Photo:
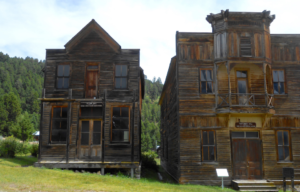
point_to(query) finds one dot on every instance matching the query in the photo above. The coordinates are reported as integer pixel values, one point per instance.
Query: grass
(14, 176)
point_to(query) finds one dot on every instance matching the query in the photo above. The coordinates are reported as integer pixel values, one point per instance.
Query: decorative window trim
(129, 124)
(284, 83)
(290, 146)
(202, 146)
(116, 77)
(51, 125)
(57, 76)
(212, 81)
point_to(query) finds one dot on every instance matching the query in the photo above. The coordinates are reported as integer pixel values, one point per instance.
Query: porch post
(216, 84)
(229, 86)
(68, 125)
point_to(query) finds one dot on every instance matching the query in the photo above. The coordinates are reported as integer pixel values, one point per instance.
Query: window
(90, 132)
(120, 124)
(206, 82)
(283, 146)
(91, 111)
(244, 134)
(278, 82)
(245, 46)
(208, 146)
(121, 77)
(63, 73)
(59, 125)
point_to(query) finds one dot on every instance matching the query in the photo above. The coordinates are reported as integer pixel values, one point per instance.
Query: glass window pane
(124, 111)
(211, 153)
(85, 126)
(211, 138)
(92, 67)
(281, 76)
(209, 87)
(275, 86)
(124, 70)
(116, 111)
(63, 124)
(60, 83)
(60, 70)
(118, 70)
(97, 111)
(275, 76)
(205, 142)
(63, 136)
(116, 123)
(281, 88)
(55, 124)
(117, 135)
(242, 86)
(241, 74)
(58, 135)
(66, 70)
(237, 134)
(285, 138)
(86, 111)
(124, 123)
(280, 153)
(85, 137)
(64, 113)
(56, 112)
(279, 137)
(65, 83)
(55, 135)
(209, 76)
(123, 83)
(118, 83)
(203, 87)
(205, 153)
(96, 138)
(97, 126)
(126, 136)
(203, 75)
(252, 134)
(286, 153)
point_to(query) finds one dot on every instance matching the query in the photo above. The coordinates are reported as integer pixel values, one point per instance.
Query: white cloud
(27, 28)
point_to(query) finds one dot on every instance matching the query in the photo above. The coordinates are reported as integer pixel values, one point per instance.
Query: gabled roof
(92, 26)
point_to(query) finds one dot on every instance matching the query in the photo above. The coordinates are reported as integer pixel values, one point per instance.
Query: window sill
(284, 95)
(210, 162)
(285, 162)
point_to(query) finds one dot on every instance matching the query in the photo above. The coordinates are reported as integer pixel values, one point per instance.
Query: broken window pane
(203, 75)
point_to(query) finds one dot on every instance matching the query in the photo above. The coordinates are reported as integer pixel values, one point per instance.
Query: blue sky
(29, 27)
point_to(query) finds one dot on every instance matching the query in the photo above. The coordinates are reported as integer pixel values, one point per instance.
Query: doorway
(90, 139)
(91, 81)
(247, 155)
(242, 87)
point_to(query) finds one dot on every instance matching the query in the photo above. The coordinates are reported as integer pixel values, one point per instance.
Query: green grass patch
(13, 177)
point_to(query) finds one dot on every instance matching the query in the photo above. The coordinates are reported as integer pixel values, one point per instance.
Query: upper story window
(206, 81)
(283, 146)
(120, 124)
(58, 131)
(245, 45)
(208, 146)
(278, 82)
(121, 77)
(63, 74)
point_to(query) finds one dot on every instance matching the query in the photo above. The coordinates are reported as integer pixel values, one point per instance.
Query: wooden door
(247, 159)
(90, 139)
(242, 87)
(91, 84)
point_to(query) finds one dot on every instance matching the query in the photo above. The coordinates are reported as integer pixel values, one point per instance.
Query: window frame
(290, 146)
(56, 76)
(284, 83)
(129, 124)
(115, 76)
(212, 81)
(51, 125)
(91, 139)
(246, 37)
(202, 146)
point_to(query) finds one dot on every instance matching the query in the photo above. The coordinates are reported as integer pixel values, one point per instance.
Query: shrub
(34, 150)
(9, 147)
(25, 148)
(148, 160)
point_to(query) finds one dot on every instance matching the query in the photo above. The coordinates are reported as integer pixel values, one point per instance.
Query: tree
(23, 130)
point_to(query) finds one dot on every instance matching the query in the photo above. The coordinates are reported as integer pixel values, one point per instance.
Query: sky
(28, 28)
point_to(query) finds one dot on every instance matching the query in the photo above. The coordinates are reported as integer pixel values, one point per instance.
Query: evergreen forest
(21, 83)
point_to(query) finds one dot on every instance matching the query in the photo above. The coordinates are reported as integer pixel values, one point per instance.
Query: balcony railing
(245, 99)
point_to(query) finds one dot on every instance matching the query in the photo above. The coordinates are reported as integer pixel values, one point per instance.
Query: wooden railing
(246, 99)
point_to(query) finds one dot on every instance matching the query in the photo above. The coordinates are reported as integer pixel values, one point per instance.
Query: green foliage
(34, 150)
(9, 147)
(151, 114)
(148, 160)
(23, 128)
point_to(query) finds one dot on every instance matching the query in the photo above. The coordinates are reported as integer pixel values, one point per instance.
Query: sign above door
(245, 124)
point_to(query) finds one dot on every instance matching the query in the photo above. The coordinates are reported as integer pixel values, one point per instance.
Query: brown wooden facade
(91, 105)
(231, 100)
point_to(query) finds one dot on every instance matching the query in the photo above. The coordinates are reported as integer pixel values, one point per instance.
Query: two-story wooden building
(231, 100)
(91, 105)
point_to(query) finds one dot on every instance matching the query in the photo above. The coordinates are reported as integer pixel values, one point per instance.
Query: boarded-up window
(278, 82)
(206, 81)
(58, 131)
(62, 78)
(121, 77)
(283, 146)
(208, 146)
(120, 124)
(245, 45)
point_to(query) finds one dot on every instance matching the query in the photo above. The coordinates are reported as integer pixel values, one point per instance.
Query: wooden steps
(253, 185)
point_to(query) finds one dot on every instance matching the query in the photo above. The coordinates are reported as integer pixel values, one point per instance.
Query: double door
(247, 158)
(90, 139)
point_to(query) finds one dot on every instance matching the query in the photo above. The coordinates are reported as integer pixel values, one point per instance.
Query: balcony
(245, 100)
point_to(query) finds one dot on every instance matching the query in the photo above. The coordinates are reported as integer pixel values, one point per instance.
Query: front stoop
(253, 185)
